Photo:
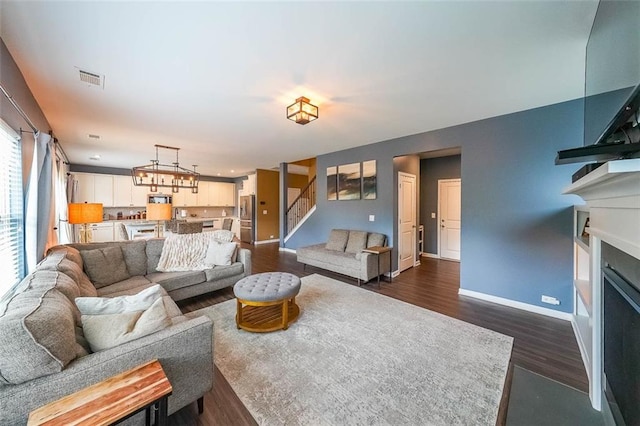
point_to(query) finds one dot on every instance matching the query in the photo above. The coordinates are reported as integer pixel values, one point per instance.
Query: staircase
(301, 207)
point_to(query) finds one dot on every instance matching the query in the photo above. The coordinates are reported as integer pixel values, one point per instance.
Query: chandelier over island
(157, 175)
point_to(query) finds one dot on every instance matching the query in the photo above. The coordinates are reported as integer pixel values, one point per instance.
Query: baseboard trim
(566, 316)
(434, 256)
(288, 250)
(276, 240)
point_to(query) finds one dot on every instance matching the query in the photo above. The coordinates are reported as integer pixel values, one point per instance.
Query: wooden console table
(112, 400)
(378, 250)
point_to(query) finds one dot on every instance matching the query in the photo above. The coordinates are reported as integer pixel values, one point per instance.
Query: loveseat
(45, 354)
(342, 253)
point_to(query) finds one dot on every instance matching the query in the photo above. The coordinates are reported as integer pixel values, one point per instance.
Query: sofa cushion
(37, 334)
(109, 322)
(135, 256)
(70, 253)
(105, 265)
(59, 261)
(125, 287)
(220, 272)
(337, 239)
(44, 280)
(357, 242)
(154, 251)
(330, 257)
(376, 239)
(174, 280)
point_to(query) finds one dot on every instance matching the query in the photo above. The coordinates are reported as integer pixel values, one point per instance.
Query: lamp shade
(84, 213)
(158, 211)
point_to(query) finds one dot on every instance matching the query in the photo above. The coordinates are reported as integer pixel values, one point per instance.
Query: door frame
(415, 219)
(440, 182)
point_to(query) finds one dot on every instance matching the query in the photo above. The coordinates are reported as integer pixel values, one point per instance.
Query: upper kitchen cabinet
(126, 194)
(94, 188)
(184, 198)
(216, 194)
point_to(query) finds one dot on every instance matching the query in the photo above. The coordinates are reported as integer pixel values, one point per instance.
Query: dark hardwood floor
(544, 345)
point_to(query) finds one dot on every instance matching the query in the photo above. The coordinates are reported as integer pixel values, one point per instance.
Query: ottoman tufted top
(267, 287)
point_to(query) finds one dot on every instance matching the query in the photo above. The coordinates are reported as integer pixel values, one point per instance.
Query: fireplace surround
(612, 196)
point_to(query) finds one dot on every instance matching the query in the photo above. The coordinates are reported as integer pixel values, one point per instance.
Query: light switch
(372, 217)
(264, 212)
(433, 215)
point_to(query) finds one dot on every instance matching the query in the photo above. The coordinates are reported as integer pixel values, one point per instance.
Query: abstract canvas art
(349, 183)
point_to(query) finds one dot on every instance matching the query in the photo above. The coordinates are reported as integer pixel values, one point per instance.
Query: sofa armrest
(185, 351)
(244, 256)
(369, 265)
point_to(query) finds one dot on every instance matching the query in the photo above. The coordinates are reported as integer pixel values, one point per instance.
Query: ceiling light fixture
(301, 111)
(156, 175)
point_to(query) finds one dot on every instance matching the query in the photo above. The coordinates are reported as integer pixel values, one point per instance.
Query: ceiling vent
(91, 78)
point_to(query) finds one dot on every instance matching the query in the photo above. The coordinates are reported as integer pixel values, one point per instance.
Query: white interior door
(449, 206)
(406, 221)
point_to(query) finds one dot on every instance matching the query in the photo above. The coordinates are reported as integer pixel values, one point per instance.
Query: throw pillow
(376, 239)
(223, 235)
(357, 242)
(220, 254)
(110, 322)
(114, 305)
(105, 266)
(337, 239)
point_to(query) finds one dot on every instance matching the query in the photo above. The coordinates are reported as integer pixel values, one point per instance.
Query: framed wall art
(369, 186)
(349, 182)
(332, 183)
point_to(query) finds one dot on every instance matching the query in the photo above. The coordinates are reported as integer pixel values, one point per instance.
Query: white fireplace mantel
(612, 195)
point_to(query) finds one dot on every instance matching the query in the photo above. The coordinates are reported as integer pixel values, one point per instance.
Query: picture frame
(349, 182)
(369, 180)
(332, 183)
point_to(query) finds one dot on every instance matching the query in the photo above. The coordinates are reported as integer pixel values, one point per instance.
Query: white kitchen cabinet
(185, 198)
(204, 189)
(126, 194)
(96, 232)
(227, 194)
(94, 188)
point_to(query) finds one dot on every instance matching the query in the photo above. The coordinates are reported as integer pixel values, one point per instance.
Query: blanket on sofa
(188, 252)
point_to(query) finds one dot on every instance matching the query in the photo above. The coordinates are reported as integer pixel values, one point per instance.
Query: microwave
(158, 199)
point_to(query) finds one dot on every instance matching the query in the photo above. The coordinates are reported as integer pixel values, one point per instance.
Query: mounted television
(612, 86)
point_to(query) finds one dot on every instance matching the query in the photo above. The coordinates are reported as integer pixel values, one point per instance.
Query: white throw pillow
(127, 318)
(219, 254)
(119, 304)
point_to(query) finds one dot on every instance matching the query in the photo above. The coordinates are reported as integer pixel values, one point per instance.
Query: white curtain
(40, 203)
(64, 229)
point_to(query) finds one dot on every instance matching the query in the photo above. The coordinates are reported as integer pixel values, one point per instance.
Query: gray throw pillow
(337, 239)
(135, 256)
(376, 239)
(105, 266)
(357, 242)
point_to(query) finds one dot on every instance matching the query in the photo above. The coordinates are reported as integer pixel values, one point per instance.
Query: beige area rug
(356, 357)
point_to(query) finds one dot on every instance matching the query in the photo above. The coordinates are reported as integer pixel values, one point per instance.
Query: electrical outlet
(372, 217)
(433, 215)
(550, 300)
(264, 212)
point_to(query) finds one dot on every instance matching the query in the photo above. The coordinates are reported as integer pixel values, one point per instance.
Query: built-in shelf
(583, 242)
(583, 288)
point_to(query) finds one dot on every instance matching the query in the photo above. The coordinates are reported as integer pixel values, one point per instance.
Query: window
(11, 213)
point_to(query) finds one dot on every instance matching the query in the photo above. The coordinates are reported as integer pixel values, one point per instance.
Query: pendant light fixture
(157, 175)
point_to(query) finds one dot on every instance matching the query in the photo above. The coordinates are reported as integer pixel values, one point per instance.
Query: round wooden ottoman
(267, 301)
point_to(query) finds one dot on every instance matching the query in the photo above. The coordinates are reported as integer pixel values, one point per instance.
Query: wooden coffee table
(111, 400)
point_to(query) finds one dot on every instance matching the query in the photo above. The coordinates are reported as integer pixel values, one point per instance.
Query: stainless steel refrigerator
(247, 219)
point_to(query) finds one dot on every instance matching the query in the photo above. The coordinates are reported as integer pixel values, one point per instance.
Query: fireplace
(621, 336)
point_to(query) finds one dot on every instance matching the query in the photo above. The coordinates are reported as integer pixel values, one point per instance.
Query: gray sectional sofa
(342, 253)
(44, 354)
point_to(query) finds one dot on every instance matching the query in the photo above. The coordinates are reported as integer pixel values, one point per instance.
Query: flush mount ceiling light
(301, 111)
(156, 175)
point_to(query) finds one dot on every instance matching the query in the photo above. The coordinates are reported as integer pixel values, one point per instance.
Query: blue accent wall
(516, 240)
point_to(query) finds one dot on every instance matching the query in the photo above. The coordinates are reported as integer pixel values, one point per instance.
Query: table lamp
(83, 214)
(158, 212)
